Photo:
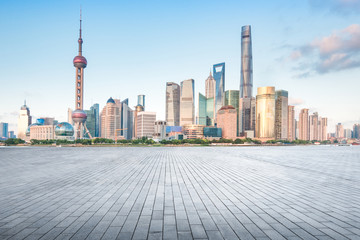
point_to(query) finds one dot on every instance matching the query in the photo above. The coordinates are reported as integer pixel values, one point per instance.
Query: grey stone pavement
(180, 193)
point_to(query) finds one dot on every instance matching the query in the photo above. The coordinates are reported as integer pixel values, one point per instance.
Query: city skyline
(319, 96)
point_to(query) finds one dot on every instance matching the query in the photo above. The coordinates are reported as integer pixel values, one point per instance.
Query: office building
(314, 127)
(247, 119)
(141, 101)
(42, 132)
(24, 121)
(219, 76)
(93, 120)
(145, 124)
(212, 132)
(110, 119)
(193, 131)
(246, 74)
(127, 119)
(323, 129)
(226, 119)
(232, 99)
(172, 104)
(281, 114)
(339, 131)
(160, 130)
(347, 133)
(187, 109)
(303, 125)
(291, 129)
(206, 114)
(210, 86)
(356, 131)
(11, 134)
(265, 113)
(138, 109)
(4, 130)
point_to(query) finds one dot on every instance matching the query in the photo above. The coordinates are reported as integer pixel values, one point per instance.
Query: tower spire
(80, 39)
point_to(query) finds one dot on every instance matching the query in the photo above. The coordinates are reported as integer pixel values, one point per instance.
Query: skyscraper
(246, 74)
(141, 100)
(314, 127)
(127, 119)
(187, 109)
(24, 121)
(172, 104)
(110, 118)
(265, 112)
(206, 113)
(145, 124)
(291, 129)
(219, 76)
(79, 116)
(281, 115)
(356, 131)
(304, 124)
(93, 120)
(323, 127)
(210, 85)
(227, 120)
(339, 131)
(4, 130)
(247, 117)
(232, 99)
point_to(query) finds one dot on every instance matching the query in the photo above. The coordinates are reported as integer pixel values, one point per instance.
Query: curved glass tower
(246, 74)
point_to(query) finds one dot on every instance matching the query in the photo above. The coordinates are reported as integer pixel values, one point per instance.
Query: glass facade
(219, 76)
(265, 112)
(64, 129)
(127, 119)
(141, 101)
(212, 132)
(172, 104)
(93, 120)
(187, 108)
(4, 128)
(206, 111)
(170, 129)
(246, 74)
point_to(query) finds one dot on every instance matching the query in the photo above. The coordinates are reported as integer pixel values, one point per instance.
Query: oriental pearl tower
(79, 116)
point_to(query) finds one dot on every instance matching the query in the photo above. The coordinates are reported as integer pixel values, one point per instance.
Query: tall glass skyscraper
(141, 100)
(187, 109)
(219, 76)
(172, 104)
(127, 119)
(4, 129)
(246, 74)
(206, 111)
(93, 120)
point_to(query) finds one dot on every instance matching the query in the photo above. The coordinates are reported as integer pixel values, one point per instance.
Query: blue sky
(310, 48)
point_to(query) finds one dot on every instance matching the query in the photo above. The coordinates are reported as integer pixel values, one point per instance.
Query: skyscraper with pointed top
(79, 116)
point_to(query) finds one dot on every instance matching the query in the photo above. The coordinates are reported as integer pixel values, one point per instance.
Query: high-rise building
(127, 117)
(138, 108)
(232, 99)
(145, 124)
(110, 119)
(93, 120)
(210, 85)
(141, 101)
(323, 129)
(291, 131)
(172, 104)
(247, 117)
(246, 74)
(304, 124)
(187, 109)
(11, 134)
(281, 114)
(339, 131)
(219, 76)
(226, 119)
(356, 131)
(69, 116)
(160, 130)
(347, 133)
(206, 115)
(4, 130)
(265, 112)
(24, 121)
(79, 116)
(314, 127)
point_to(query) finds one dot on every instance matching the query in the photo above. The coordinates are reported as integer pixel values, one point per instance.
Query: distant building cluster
(221, 113)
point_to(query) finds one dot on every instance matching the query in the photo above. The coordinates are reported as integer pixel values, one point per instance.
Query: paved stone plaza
(180, 193)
